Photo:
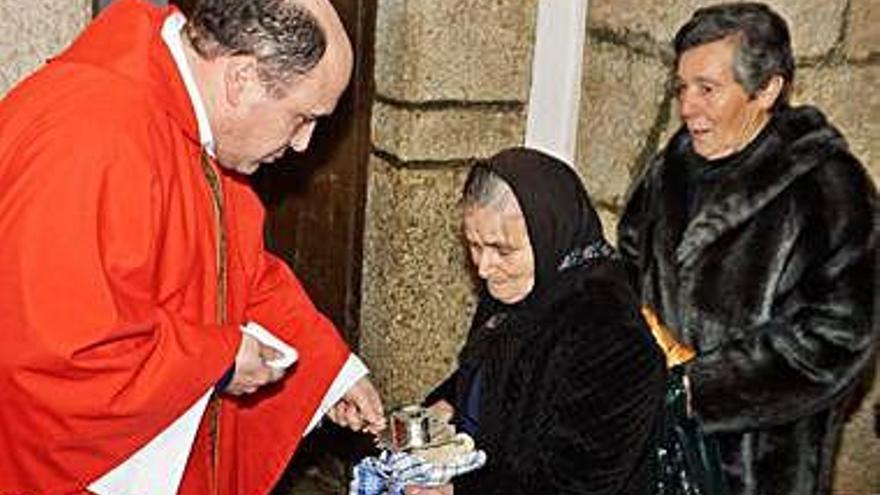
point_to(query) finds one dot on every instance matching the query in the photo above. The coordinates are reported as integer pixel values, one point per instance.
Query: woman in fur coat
(753, 237)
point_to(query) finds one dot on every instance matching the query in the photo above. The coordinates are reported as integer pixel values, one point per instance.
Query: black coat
(578, 408)
(772, 282)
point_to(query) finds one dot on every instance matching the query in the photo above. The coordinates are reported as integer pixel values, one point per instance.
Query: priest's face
(500, 249)
(720, 115)
(263, 122)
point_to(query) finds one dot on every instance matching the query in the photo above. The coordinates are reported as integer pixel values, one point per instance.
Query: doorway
(315, 201)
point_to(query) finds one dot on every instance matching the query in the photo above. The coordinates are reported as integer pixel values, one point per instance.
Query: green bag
(688, 460)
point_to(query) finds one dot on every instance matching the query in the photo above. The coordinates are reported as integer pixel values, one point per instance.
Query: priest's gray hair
(282, 35)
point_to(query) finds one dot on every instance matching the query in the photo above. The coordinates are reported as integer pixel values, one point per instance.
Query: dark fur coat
(773, 283)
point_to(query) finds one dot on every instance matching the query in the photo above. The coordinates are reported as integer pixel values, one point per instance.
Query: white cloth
(288, 354)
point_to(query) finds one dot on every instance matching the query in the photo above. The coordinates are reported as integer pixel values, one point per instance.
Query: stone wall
(452, 79)
(35, 30)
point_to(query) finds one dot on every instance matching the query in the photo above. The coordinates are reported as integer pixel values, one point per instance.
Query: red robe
(112, 315)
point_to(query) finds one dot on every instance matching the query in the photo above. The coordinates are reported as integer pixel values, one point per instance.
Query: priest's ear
(241, 81)
(770, 92)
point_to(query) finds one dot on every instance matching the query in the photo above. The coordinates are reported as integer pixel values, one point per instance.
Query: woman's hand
(442, 410)
(429, 490)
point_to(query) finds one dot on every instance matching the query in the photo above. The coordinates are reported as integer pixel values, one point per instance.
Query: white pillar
(554, 98)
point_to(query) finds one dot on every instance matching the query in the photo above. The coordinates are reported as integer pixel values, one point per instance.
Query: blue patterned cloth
(389, 473)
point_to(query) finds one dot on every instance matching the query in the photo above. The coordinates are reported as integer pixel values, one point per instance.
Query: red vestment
(112, 324)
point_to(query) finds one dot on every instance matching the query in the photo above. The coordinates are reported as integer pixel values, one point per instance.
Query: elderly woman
(753, 236)
(559, 381)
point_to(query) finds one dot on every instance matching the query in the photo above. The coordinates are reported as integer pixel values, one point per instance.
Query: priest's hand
(251, 370)
(360, 409)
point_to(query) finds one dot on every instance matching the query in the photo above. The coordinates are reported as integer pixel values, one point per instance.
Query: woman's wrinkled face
(499, 246)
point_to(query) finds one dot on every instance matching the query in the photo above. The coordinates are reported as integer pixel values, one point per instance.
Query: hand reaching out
(360, 409)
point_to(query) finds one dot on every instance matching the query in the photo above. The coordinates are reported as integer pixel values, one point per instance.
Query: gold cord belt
(219, 225)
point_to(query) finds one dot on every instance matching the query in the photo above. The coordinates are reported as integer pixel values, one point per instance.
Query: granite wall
(452, 82)
(34, 30)
(452, 79)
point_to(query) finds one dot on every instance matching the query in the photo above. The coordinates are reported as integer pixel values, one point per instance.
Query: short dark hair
(763, 43)
(283, 36)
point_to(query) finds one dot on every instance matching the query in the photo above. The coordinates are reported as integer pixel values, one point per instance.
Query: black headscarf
(560, 220)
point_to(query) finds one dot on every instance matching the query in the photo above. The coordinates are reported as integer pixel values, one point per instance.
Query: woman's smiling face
(720, 115)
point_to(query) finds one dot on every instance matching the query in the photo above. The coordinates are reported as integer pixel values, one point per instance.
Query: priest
(132, 269)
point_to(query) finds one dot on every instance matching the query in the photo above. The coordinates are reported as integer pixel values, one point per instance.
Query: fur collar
(800, 140)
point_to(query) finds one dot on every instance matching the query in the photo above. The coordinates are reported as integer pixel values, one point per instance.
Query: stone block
(418, 293)
(856, 470)
(815, 24)
(609, 219)
(417, 134)
(454, 49)
(35, 30)
(622, 96)
(848, 96)
(673, 123)
(863, 35)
